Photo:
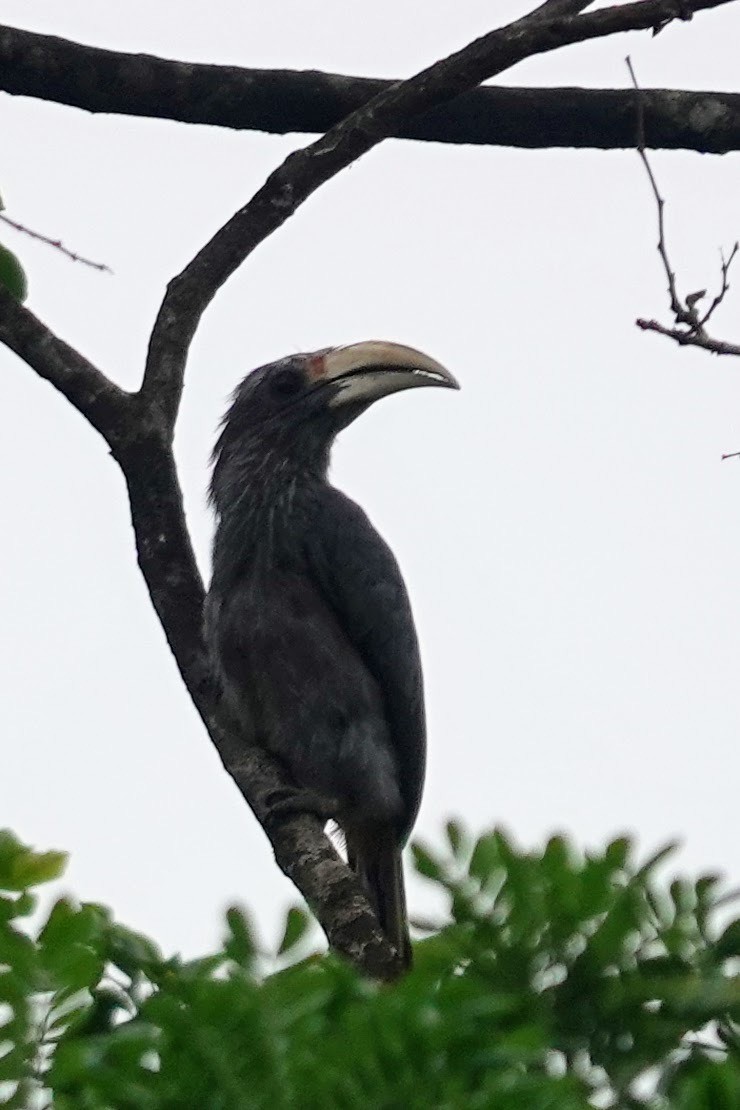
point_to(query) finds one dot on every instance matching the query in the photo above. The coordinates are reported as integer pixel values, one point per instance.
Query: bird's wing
(359, 577)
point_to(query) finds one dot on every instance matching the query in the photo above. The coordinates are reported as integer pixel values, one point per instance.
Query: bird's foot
(287, 801)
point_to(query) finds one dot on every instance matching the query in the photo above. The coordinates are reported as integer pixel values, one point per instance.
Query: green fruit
(12, 274)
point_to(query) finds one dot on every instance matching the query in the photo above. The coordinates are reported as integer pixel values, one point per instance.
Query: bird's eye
(286, 382)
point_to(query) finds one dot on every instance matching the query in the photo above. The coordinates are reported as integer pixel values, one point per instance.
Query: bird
(307, 618)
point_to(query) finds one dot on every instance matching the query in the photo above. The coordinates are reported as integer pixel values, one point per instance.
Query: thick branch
(107, 407)
(305, 170)
(282, 101)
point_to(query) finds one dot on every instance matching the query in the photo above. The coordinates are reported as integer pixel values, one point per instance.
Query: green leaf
(12, 274)
(240, 944)
(22, 906)
(728, 943)
(132, 952)
(297, 923)
(457, 838)
(618, 852)
(425, 863)
(486, 858)
(72, 946)
(21, 867)
(13, 1065)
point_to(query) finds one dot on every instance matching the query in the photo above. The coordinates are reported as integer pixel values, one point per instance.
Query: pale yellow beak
(364, 372)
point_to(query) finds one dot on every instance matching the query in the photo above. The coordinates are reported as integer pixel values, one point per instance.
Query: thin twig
(691, 331)
(726, 263)
(56, 243)
(676, 307)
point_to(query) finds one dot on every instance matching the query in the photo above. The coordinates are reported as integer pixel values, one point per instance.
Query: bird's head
(292, 409)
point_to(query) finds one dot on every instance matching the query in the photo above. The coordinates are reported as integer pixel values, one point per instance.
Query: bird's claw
(286, 802)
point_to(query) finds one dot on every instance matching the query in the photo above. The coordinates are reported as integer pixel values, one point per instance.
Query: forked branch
(690, 325)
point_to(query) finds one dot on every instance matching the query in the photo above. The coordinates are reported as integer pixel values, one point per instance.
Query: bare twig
(676, 306)
(690, 338)
(690, 329)
(725, 269)
(56, 243)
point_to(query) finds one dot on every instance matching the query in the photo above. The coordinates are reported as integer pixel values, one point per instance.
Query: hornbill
(307, 617)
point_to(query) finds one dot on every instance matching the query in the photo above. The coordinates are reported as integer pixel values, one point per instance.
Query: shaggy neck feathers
(264, 494)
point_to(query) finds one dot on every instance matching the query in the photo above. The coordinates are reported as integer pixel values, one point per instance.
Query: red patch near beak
(315, 368)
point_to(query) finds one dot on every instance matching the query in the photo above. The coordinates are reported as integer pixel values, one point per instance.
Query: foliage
(562, 982)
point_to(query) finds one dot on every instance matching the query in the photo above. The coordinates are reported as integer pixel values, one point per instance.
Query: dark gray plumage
(307, 617)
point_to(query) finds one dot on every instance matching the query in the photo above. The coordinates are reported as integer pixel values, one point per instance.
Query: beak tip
(335, 363)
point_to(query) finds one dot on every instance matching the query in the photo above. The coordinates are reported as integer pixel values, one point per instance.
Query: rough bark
(311, 102)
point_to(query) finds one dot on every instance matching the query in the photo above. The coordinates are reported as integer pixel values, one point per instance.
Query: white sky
(568, 533)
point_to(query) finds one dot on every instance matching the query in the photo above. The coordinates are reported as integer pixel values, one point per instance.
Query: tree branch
(57, 244)
(686, 338)
(282, 101)
(691, 325)
(107, 407)
(305, 170)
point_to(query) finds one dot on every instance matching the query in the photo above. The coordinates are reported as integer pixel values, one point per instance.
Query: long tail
(375, 857)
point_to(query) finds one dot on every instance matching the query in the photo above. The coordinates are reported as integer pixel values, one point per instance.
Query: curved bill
(363, 372)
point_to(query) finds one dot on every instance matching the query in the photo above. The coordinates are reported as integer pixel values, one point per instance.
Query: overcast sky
(567, 530)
